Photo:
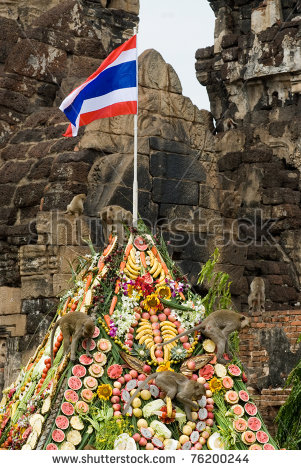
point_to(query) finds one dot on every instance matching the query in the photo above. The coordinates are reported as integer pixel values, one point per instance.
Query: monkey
(176, 386)
(76, 206)
(217, 326)
(256, 299)
(113, 218)
(75, 324)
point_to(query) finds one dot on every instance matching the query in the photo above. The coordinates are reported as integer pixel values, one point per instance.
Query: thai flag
(110, 91)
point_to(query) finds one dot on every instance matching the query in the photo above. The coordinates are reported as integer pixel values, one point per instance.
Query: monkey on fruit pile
(113, 218)
(76, 206)
(256, 299)
(217, 326)
(176, 386)
(75, 324)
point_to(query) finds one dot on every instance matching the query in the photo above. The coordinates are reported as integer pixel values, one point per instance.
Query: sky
(176, 29)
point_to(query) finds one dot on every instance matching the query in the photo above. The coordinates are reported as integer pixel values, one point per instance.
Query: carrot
(110, 238)
(155, 251)
(100, 267)
(117, 286)
(66, 306)
(180, 293)
(122, 265)
(142, 257)
(127, 251)
(107, 320)
(165, 269)
(107, 249)
(113, 304)
(89, 280)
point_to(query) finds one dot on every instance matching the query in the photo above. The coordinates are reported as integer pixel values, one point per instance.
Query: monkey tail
(150, 377)
(52, 339)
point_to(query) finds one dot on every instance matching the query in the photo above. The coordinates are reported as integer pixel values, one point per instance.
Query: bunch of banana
(168, 331)
(156, 266)
(132, 269)
(144, 334)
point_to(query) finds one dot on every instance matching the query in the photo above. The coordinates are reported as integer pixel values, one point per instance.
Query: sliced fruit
(67, 446)
(140, 244)
(262, 437)
(243, 395)
(200, 426)
(227, 382)
(255, 447)
(96, 370)
(67, 408)
(234, 370)
(125, 396)
(248, 437)
(220, 370)
(209, 346)
(90, 382)
(52, 446)
(254, 424)
(203, 414)
(231, 397)
(237, 410)
(77, 423)
(100, 358)
(82, 407)
(240, 424)
(207, 371)
(79, 371)
(104, 345)
(268, 447)
(215, 442)
(194, 436)
(71, 395)
(62, 422)
(131, 385)
(92, 345)
(74, 383)
(58, 435)
(96, 332)
(251, 409)
(74, 437)
(154, 391)
(85, 360)
(87, 395)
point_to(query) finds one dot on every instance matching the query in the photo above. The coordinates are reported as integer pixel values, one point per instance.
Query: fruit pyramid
(138, 299)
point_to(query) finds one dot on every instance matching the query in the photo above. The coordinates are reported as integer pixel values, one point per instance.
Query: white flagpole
(135, 182)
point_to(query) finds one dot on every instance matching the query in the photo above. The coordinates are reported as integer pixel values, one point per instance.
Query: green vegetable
(160, 429)
(151, 407)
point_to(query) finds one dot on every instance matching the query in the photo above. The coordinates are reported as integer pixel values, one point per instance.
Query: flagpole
(135, 182)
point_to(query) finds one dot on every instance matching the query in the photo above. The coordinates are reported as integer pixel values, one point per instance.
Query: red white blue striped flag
(110, 91)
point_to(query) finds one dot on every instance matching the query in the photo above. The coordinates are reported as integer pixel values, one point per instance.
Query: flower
(215, 385)
(163, 292)
(104, 391)
(151, 301)
(164, 367)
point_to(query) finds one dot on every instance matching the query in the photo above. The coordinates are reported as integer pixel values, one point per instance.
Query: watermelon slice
(251, 409)
(85, 360)
(52, 446)
(67, 408)
(262, 437)
(79, 371)
(243, 395)
(58, 435)
(240, 424)
(92, 345)
(254, 424)
(62, 422)
(140, 244)
(96, 332)
(227, 382)
(268, 447)
(74, 383)
(234, 370)
(71, 395)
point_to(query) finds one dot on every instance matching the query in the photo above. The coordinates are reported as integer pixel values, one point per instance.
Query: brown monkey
(256, 299)
(113, 219)
(175, 386)
(217, 326)
(76, 206)
(75, 324)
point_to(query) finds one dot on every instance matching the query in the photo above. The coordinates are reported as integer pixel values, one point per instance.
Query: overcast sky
(176, 29)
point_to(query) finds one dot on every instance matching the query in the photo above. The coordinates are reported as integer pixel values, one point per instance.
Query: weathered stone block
(69, 255)
(15, 324)
(75, 171)
(9, 174)
(182, 167)
(57, 228)
(61, 283)
(36, 259)
(29, 194)
(230, 161)
(33, 287)
(10, 300)
(175, 192)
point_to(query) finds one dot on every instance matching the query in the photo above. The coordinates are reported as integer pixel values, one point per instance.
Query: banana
(154, 267)
(168, 331)
(151, 255)
(158, 271)
(131, 276)
(132, 255)
(144, 327)
(131, 270)
(143, 333)
(133, 265)
(144, 337)
(149, 343)
(168, 407)
(167, 322)
(152, 353)
(166, 354)
(162, 276)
